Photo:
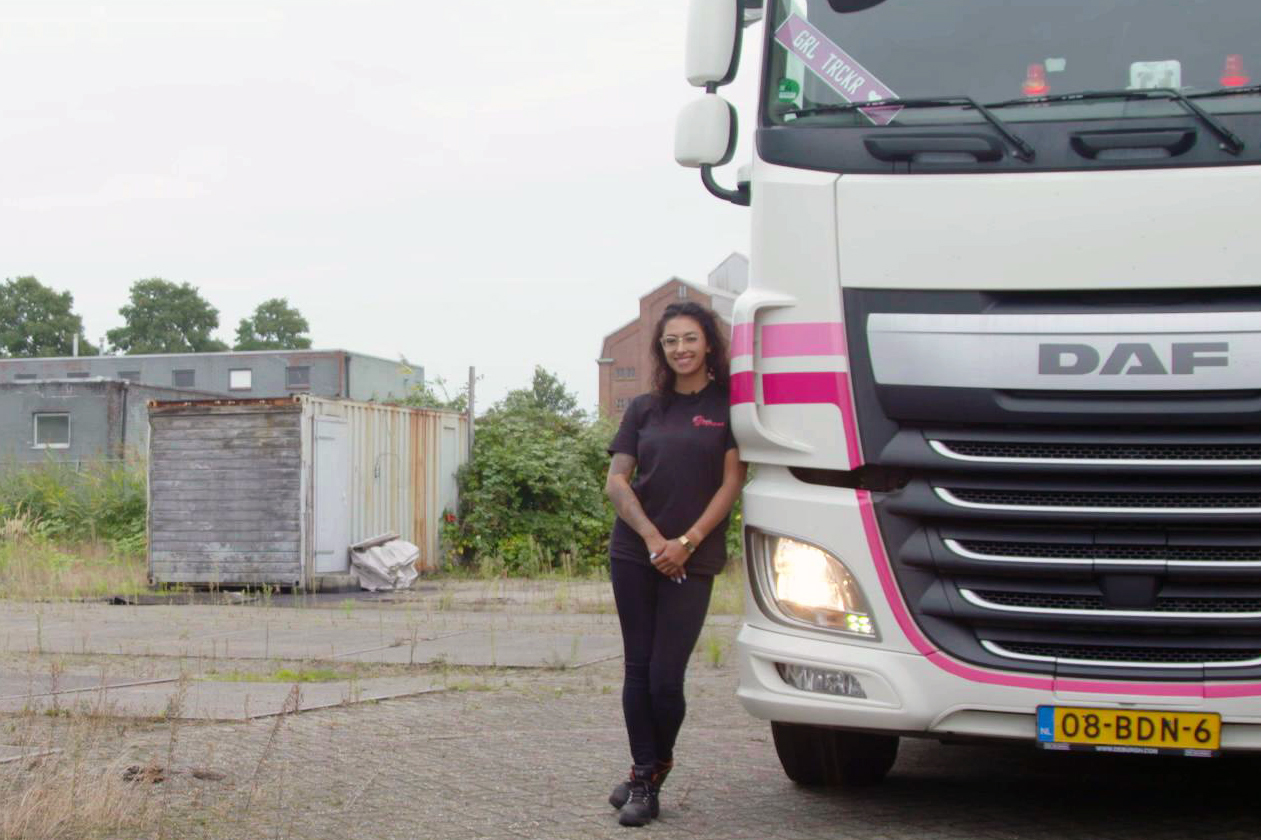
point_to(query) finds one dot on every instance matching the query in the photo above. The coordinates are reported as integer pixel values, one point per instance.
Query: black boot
(621, 793)
(642, 805)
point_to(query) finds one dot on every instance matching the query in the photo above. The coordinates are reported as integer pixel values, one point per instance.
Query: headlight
(809, 585)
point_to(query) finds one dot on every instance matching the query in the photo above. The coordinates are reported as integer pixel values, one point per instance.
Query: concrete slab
(375, 633)
(18, 687)
(224, 701)
(491, 649)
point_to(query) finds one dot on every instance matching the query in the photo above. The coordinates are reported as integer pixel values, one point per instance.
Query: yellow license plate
(1129, 730)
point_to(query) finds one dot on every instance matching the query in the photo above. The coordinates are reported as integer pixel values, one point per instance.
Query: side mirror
(713, 41)
(705, 133)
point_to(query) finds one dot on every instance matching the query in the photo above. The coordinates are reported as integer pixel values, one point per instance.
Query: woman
(669, 539)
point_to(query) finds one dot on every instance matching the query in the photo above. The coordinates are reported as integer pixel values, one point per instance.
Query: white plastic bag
(390, 565)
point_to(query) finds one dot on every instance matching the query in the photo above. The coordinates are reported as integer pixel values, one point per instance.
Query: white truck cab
(998, 370)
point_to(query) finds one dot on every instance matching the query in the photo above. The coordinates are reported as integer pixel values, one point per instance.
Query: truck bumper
(907, 694)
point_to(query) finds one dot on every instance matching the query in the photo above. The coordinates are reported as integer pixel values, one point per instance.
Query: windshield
(834, 52)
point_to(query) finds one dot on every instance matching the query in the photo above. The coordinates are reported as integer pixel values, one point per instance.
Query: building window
(25, 377)
(78, 374)
(240, 379)
(52, 431)
(130, 375)
(298, 376)
(619, 404)
(624, 373)
(682, 292)
(183, 378)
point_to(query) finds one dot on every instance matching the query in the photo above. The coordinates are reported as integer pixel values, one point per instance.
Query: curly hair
(716, 362)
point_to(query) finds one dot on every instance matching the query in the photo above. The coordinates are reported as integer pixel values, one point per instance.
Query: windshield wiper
(1022, 149)
(1226, 91)
(1230, 142)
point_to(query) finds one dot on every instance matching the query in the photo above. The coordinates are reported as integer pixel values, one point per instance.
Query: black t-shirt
(679, 453)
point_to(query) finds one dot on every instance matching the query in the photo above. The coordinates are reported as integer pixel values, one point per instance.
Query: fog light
(821, 680)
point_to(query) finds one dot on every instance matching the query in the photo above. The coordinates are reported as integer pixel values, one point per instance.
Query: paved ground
(497, 752)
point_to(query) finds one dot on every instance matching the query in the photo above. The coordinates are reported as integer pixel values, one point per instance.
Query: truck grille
(1202, 556)
(1077, 534)
(1089, 500)
(1017, 451)
(1118, 654)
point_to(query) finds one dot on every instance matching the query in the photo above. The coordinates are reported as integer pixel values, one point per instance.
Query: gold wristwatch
(687, 544)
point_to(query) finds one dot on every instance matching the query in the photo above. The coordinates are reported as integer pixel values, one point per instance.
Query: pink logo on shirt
(700, 420)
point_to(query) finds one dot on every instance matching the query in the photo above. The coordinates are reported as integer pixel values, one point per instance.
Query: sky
(485, 183)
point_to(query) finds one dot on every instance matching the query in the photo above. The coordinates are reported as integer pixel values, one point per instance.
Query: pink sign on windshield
(836, 68)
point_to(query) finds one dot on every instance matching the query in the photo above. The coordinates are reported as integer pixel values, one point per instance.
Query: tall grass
(71, 531)
(66, 502)
(66, 785)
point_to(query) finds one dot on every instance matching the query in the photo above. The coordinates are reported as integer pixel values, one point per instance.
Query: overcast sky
(485, 183)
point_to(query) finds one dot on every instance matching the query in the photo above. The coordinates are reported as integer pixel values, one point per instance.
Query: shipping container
(275, 491)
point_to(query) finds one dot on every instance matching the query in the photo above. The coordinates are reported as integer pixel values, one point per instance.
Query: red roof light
(1035, 82)
(1233, 75)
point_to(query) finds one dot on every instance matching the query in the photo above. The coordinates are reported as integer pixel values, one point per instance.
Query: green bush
(532, 496)
(101, 501)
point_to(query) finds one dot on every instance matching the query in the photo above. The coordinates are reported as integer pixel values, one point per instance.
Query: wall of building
(108, 418)
(380, 380)
(269, 372)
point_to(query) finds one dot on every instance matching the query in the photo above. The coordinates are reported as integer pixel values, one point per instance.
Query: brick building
(625, 363)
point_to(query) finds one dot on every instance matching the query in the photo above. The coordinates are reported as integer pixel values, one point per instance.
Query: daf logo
(1131, 358)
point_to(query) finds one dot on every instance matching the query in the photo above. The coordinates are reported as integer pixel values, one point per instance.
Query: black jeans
(661, 621)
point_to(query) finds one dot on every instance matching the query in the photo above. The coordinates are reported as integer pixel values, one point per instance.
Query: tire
(803, 751)
(816, 755)
(863, 759)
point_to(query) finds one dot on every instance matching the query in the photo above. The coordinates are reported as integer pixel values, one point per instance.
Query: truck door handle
(909, 148)
(1102, 145)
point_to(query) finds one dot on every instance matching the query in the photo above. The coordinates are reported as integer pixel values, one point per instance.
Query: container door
(450, 462)
(332, 497)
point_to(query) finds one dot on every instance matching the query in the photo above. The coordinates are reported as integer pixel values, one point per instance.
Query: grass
(71, 532)
(280, 675)
(33, 568)
(728, 595)
(713, 648)
(70, 782)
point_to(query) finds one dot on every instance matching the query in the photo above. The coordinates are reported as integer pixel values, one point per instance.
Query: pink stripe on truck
(742, 340)
(825, 338)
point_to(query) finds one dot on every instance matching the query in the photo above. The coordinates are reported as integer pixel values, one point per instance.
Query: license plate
(1129, 730)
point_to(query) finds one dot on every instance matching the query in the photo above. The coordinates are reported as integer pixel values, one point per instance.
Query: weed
(556, 662)
(469, 685)
(728, 594)
(280, 675)
(714, 650)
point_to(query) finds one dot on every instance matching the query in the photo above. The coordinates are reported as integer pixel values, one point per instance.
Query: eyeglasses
(670, 342)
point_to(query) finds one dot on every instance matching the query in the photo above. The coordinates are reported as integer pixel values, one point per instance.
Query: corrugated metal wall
(401, 465)
(224, 490)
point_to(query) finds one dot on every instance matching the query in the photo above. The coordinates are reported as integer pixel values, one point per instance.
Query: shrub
(532, 496)
(102, 501)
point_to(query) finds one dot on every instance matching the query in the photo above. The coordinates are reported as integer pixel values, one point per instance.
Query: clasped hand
(669, 557)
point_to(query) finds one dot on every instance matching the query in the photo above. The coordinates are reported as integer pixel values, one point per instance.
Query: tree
(163, 317)
(435, 394)
(36, 320)
(546, 394)
(275, 326)
(532, 495)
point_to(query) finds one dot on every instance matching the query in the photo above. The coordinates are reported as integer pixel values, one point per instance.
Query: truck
(997, 372)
